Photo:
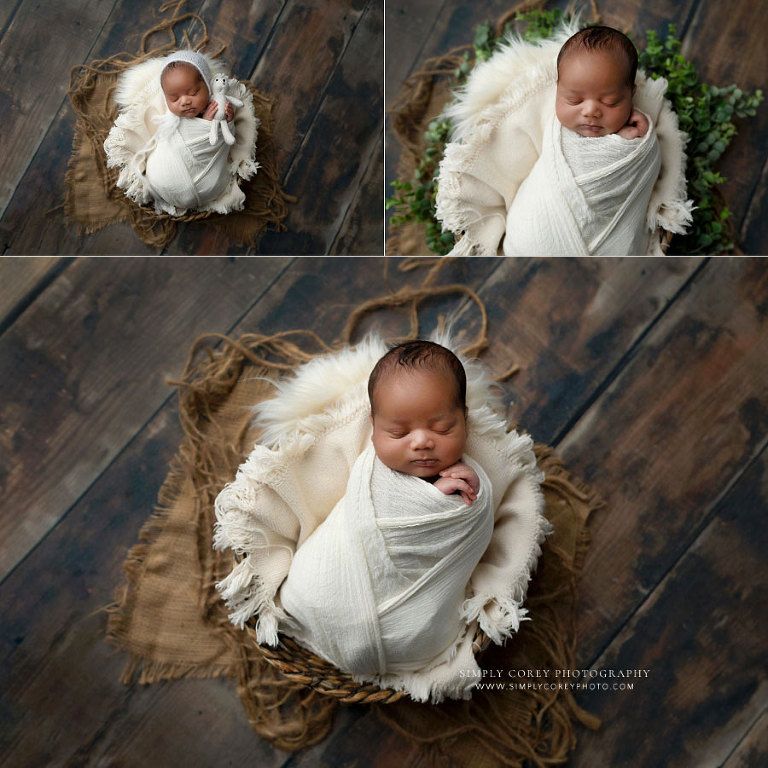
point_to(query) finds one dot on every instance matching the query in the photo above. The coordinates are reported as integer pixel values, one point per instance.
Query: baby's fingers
(465, 490)
(467, 497)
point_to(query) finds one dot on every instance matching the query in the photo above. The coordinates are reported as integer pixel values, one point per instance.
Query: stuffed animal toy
(219, 87)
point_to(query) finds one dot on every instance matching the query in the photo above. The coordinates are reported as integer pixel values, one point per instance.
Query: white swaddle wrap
(185, 171)
(584, 196)
(163, 158)
(378, 588)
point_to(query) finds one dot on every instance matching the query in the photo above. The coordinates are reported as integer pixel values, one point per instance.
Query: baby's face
(593, 97)
(185, 91)
(418, 428)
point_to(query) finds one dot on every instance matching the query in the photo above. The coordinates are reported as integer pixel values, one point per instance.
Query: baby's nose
(420, 438)
(591, 108)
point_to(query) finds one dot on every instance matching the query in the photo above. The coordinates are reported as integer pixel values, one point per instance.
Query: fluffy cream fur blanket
(315, 429)
(167, 160)
(500, 124)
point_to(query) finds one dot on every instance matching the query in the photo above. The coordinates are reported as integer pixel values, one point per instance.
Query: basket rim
(300, 665)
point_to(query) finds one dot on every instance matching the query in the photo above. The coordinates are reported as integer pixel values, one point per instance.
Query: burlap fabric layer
(92, 198)
(170, 621)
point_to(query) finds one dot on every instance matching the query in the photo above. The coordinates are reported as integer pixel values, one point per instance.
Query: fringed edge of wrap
(246, 595)
(499, 613)
(423, 687)
(459, 158)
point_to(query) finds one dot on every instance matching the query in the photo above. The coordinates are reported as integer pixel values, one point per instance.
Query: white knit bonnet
(197, 60)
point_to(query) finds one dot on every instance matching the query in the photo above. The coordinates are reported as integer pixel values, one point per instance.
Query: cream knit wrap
(364, 584)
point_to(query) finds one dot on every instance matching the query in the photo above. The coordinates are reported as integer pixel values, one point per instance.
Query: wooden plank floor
(724, 41)
(320, 59)
(649, 376)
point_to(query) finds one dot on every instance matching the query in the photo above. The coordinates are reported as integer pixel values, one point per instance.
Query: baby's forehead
(182, 68)
(409, 377)
(581, 55)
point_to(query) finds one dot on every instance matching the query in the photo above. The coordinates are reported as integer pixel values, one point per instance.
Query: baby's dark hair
(175, 64)
(425, 355)
(602, 39)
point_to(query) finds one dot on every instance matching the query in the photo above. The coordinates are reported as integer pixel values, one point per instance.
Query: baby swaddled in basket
(378, 588)
(436, 531)
(580, 156)
(162, 139)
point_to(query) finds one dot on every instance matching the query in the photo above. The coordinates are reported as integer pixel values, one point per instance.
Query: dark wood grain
(701, 636)
(408, 26)
(360, 733)
(21, 279)
(297, 66)
(753, 235)
(753, 749)
(244, 28)
(568, 323)
(27, 46)
(7, 10)
(688, 412)
(321, 293)
(62, 700)
(346, 126)
(93, 352)
(361, 231)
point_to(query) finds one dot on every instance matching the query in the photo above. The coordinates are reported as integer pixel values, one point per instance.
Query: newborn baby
(184, 171)
(379, 522)
(161, 139)
(595, 84)
(420, 420)
(187, 90)
(598, 164)
(378, 588)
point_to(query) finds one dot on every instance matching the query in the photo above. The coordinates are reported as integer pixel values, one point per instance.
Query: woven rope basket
(301, 666)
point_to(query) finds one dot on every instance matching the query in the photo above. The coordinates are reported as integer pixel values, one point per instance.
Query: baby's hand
(459, 478)
(637, 126)
(210, 111)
